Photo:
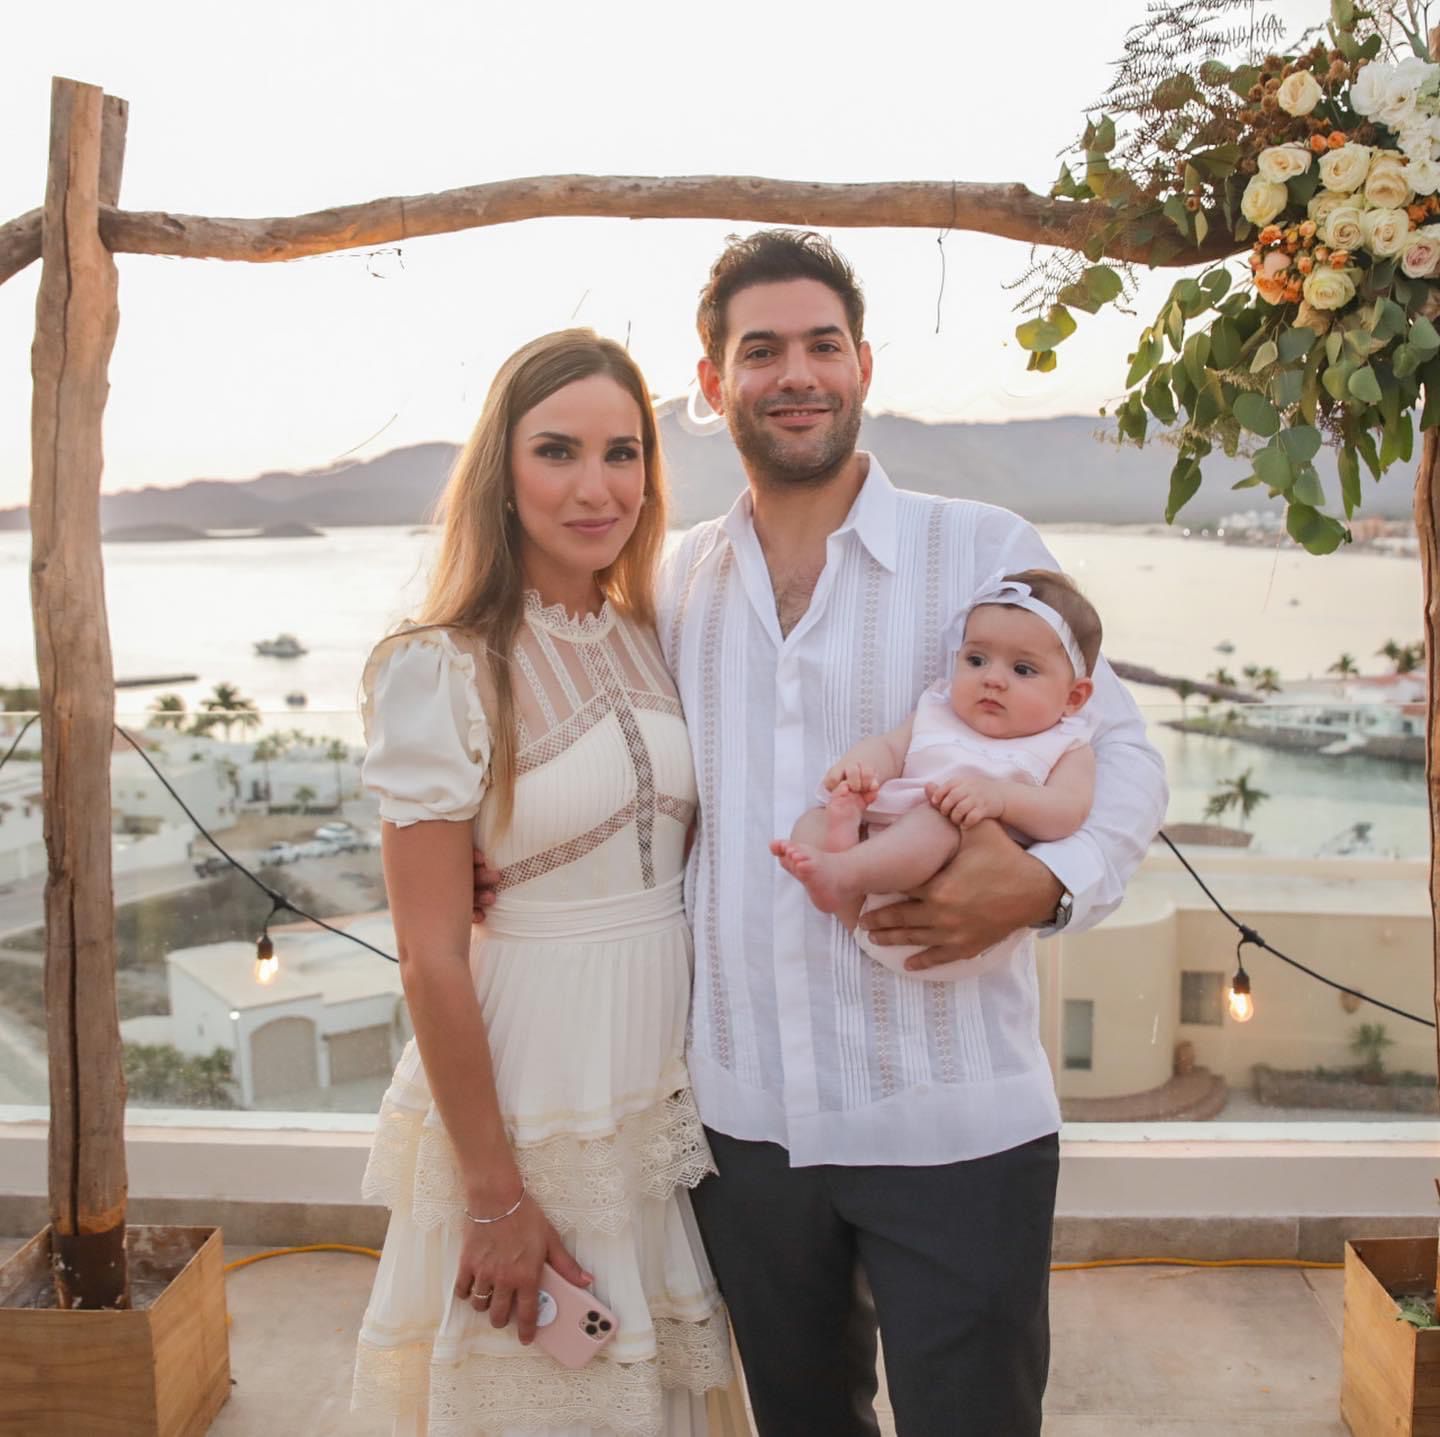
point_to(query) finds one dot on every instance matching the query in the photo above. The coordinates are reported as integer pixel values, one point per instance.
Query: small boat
(296, 700)
(1224, 647)
(282, 646)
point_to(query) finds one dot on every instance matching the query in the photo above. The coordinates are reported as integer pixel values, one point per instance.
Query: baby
(999, 738)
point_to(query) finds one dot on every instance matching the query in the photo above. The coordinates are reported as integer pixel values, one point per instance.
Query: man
(864, 1123)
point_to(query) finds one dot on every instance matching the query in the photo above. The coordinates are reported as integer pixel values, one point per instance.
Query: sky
(225, 370)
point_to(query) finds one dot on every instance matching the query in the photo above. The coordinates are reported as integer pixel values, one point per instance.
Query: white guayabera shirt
(797, 1038)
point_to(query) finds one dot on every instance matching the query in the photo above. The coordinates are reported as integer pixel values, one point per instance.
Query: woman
(543, 1112)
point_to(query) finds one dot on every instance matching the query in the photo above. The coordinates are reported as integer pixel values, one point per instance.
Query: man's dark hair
(773, 257)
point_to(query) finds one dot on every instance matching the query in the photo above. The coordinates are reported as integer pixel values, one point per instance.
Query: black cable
(280, 903)
(1249, 935)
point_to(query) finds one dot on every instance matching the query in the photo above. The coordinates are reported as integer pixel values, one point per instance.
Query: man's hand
(989, 890)
(968, 800)
(486, 879)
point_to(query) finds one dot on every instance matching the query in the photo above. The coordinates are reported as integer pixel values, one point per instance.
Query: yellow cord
(1291, 1262)
(311, 1247)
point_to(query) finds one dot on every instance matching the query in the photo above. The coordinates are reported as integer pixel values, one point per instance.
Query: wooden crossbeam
(1008, 210)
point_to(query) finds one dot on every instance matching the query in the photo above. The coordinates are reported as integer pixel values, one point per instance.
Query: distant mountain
(1049, 470)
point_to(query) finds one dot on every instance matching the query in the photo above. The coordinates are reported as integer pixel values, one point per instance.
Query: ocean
(1166, 601)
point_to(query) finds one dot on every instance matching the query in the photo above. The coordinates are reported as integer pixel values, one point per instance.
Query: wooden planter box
(1391, 1380)
(161, 1369)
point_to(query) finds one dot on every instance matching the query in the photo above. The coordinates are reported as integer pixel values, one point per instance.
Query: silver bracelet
(509, 1212)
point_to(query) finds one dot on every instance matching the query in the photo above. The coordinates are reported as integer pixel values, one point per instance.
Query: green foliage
(18, 698)
(1368, 1042)
(1238, 794)
(160, 1073)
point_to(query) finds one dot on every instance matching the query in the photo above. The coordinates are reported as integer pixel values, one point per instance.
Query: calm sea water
(1166, 601)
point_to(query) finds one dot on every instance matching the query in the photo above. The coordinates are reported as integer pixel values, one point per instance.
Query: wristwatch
(1063, 909)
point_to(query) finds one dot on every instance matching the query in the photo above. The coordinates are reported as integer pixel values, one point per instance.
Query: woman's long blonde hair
(478, 585)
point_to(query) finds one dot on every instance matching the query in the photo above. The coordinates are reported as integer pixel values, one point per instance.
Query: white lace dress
(583, 975)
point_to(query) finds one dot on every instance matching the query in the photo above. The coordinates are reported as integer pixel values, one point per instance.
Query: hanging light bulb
(267, 965)
(1242, 1005)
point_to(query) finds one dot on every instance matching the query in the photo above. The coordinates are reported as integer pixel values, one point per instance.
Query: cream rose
(1329, 289)
(1263, 200)
(1283, 162)
(1343, 228)
(1385, 232)
(1387, 186)
(1421, 256)
(1299, 94)
(1345, 169)
(1324, 204)
(1397, 106)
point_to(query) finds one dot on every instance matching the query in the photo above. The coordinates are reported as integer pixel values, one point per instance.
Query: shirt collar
(871, 516)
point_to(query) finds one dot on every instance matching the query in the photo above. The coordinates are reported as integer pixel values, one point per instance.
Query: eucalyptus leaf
(1273, 468)
(1405, 360)
(1209, 402)
(1307, 488)
(1216, 284)
(1336, 380)
(1285, 387)
(1301, 443)
(1423, 337)
(1267, 354)
(1334, 342)
(1102, 283)
(1364, 386)
(1184, 482)
(1348, 462)
(1318, 532)
(1365, 444)
(1256, 413)
(1295, 343)
(1158, 398)
(1224, 344)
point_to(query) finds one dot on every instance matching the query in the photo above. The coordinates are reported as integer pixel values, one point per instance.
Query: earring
(509, 506)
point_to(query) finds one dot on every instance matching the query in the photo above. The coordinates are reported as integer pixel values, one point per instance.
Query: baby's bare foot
(842, 820)
(817, 870)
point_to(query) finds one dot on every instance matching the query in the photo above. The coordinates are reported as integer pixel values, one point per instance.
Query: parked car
(210, 865)
(337, 831)
(278, 854)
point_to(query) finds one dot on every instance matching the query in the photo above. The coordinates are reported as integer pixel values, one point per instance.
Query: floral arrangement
(1326, 162)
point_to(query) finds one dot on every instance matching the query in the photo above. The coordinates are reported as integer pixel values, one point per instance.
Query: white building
(140, 803)
(333, 1013)
(22, 821)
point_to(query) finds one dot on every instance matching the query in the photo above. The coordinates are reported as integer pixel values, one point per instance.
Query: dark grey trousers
(956, 1258)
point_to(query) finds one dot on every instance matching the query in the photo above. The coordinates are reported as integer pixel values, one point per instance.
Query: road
(22, 904)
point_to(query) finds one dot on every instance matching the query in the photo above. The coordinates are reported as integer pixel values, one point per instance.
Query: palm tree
(305, 796)
(1223, 677)
(1368, 1043)
(1185, 690)
(265, 750)
(1344, 666)
(1251, 672)
(226, 708)
(1389, 650)
(1235, 793)
(1410, 657)
(1267, 681)
(168, 711)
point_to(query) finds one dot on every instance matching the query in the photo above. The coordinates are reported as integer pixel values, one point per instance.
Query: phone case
(572, 1325)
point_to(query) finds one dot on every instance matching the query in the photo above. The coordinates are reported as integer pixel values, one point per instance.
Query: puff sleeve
(427, 739)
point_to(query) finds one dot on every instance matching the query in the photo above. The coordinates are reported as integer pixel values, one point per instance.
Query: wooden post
(76, 317)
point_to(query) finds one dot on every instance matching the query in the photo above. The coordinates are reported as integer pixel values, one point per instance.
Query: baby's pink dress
(943, 746)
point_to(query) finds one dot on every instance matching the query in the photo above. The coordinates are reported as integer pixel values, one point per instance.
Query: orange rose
(1339, 259)
(1271, 234)
(1307, 229)
(1304, 264)
(1293, 292)
(1321, 254)
(1336, 140)
(1416, 213)
(1272, 291)
(1319, 144)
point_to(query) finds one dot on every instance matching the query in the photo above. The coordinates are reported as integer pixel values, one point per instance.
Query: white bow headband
(997, 589)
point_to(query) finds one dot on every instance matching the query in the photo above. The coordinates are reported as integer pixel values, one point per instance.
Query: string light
(267, 965)
(1242, 1005)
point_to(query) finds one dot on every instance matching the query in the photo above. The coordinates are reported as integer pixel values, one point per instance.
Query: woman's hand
(500, 1266)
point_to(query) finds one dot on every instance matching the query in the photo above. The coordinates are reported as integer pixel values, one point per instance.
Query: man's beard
(771, 461)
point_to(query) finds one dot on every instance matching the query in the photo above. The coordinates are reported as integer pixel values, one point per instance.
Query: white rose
(1398, 105)
(1422, 255)
(1387, 186)
(1345, 169)
(1263, 200)
(1342, 227)
(1324, 203)
(1299, 94)
(1424, 175)
(1371, 86)
(1283, 162)
(1329, 289)
(1386, 232)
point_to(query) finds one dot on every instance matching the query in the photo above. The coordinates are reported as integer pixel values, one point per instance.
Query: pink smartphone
(572, 1325)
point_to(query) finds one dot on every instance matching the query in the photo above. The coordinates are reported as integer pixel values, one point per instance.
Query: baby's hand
(967, 801)
(859, 777)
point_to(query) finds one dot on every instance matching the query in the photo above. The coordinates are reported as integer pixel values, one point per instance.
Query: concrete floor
(1168, 1352)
